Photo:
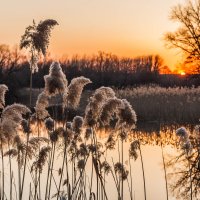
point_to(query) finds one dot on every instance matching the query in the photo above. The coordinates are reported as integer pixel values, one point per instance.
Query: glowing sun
(182, 73)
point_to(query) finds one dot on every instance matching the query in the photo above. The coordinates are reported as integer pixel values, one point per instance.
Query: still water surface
(153, 143)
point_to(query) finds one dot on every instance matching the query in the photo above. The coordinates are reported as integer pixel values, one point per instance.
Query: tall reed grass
(76, 144)
(155, 103)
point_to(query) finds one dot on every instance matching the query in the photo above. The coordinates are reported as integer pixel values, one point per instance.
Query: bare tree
(187, 36)
(5, 55)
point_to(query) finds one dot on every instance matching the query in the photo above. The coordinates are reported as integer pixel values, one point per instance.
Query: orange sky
(122, 27)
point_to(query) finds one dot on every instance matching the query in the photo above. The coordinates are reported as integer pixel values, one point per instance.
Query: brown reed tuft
(95, 104)
(3, 90)
(72, 95)
(55, 81)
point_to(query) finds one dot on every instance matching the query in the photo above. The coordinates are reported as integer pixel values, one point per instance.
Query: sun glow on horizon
(111, 26)
(182, 73)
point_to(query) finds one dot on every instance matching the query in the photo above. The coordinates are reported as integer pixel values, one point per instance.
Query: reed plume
(14, 112)
(11, 152)
(42, 157)
(41, 104)
(81, 164)
(3, 90)
(77, 124)
(55, 81)
(11, 118)
(134, 146)
(49, 123)
(121, 171)
(182, 133)
(106, 167)
(110, 107)
(127, 116)
(95, 104)
(110, 143)
(25, 126)
(72, 95)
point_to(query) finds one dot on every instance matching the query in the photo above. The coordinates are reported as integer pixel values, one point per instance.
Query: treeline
(103, 69)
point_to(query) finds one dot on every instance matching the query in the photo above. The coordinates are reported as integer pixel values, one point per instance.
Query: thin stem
(64, 157)
(190, 170)
(25, 161)
(163, 159)
(19, 175)
(130, 168)
(10, 164)
(48, 172)
(122, 189)
(141, 158)
(2, 162)
(52, 163)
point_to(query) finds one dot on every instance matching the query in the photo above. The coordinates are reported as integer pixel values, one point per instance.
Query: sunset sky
(123, 27)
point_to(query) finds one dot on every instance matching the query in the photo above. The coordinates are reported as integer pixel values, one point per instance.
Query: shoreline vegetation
(152, 103)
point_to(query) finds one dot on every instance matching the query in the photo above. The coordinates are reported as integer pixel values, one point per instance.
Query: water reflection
(183, 171)
(186, 168)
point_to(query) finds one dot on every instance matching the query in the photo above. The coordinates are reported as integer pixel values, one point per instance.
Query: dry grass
(164, 104)
(151, 103)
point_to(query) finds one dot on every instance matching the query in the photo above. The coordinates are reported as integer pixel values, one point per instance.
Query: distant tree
(165, 70)
(5, 55)
(157, 64)
(187, 36)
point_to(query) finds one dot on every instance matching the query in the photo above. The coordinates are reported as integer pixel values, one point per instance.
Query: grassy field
(151, 103)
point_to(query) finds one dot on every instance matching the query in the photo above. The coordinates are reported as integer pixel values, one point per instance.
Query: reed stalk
(62, 169)
(3, 175)
(143, 175)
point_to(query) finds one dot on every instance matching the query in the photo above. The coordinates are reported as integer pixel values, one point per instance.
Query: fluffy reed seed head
(41, 104)
(36, 142)
(81, 164)
(77, 124)
(42, 100)
(197, 132)
(54, 136)
(106, 167)
(110, 107)
(13, 109)
(55, 82)
(93, 109)
(3, 90)
(69, 125)
(120, 169)
(72, 95)
(11, 152)
(134, 146)
(110, 143)
(127, 116)
(82, 151)
(187, 147)
(49, 123)
(11, 118)
(182, 133)
(88, 133)
(25, 126)
(8, 129)
(40, 162)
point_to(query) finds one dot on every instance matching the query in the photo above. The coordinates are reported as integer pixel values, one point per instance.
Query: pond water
(159, 149)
